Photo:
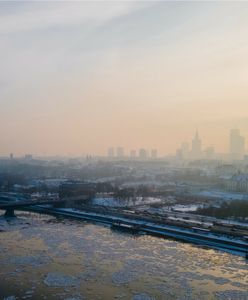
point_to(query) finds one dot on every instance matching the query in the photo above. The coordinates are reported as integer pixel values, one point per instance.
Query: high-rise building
(11, 156)
(154, 153)
(179, 155)
(111, 152)
(237, 144)
(185, 150)
(142, 154)
(28, 157)
(196, 147)
(120, 152)
(132, 154)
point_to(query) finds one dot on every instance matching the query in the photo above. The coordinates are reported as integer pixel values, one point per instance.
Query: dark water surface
(42, 257)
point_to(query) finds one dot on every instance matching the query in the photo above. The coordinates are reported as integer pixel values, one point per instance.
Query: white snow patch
(223, 195)
(115, 202)
(186, 208)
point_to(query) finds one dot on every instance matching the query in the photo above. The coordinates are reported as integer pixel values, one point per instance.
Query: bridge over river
(11, 206)
(133, 222)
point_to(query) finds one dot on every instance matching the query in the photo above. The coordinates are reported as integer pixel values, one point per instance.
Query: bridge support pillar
(10, 212)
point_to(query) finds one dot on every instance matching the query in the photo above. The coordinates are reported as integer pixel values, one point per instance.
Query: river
(42, 257)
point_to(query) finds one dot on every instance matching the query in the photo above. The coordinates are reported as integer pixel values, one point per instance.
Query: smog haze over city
(78, 77)
(123, 150)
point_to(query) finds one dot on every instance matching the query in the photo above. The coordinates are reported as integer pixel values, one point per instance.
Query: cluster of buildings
(142, 154)
(236, 148)
(194, 151)
(26, 156)
(237, 145)
(238, 183)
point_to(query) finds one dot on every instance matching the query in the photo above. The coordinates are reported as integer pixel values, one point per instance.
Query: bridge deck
(16, 204)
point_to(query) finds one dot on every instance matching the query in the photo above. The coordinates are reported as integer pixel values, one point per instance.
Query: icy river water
(42, 257)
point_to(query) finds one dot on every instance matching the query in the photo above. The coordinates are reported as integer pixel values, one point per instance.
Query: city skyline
(77, 77)
(196, 148)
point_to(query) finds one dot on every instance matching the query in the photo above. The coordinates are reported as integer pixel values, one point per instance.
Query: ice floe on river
(61, 280)
(142, 297)
(231, 295)
(68, 258)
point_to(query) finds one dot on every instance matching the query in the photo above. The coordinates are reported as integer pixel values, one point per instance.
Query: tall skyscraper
(132, 154)
(111, 152)
(237, 144)
(142, 154)
(196, 146)
(120, 152)
(185, 150)
(28, 157)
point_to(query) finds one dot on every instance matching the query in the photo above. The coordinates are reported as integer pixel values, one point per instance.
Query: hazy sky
(78, 77)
